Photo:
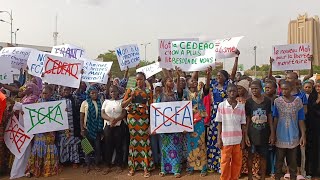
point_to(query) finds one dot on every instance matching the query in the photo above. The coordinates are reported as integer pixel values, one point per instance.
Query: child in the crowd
(231, 120)
(289, 118)
(271, 93)
(113, 114)
(155, 138)
(69, 140)
(260, 127)
(44, 159)
(307, 88)
(92, 126)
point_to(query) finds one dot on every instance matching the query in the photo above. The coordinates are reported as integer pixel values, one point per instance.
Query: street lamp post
(15, 36)
(255, 61)
(145, 50)
(10, 14)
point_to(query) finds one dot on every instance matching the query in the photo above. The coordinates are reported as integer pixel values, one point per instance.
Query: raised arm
(270, 76)
(164, 70)
(235, 65)
(310, 75)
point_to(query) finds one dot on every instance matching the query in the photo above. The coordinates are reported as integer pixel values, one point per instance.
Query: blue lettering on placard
(177, 113)
(155, 118)
(36, 68)
(70, 52)
(164, 118)
(186, 115)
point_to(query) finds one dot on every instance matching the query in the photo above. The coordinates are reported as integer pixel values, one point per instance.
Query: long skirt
(197, 150)
(69, 148)
(171, 153)
(140, 154)
(44, 158)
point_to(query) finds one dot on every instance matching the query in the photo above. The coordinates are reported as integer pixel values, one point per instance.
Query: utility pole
(55, 33)
(145, 50)
(255, 61)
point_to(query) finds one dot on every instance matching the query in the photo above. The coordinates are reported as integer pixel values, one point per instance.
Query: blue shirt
(289, 115)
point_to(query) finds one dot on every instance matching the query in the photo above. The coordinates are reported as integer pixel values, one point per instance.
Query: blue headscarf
(94, 120)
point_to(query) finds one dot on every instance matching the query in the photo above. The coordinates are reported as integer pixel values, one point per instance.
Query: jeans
(291, 157)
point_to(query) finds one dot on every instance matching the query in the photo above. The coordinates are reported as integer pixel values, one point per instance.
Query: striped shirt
(231, 120)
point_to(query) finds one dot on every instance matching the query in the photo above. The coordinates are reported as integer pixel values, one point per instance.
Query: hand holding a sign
(237, 52)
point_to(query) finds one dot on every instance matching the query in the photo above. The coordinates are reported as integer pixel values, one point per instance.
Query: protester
(219, 91)
(137, 101)
(196, 145)
(44, 159)
(92, 127)
(113, 115)
(260, 131)
(69, 139)
(289, 118)
(231, 121)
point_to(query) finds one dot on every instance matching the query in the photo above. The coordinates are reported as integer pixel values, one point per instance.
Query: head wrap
(244, 83)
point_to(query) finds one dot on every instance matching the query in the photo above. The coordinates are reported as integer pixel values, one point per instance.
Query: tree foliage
(111, 56)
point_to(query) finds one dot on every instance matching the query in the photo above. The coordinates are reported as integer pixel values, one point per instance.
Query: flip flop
(146, 174)
(300, 177)
(286, 176)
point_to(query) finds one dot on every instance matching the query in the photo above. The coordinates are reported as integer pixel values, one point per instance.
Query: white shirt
(231, 120)
(113, 109)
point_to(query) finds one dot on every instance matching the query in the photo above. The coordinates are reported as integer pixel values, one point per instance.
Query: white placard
(68, 51)
(17, 55)
(225, 48)
(6, 75)
(171, 117)
(36, 62)
(128, 56)
(291, 57)
(95, 71)
(62, 71)
(165, 51)
(193, 55)
(150, 69)
(15, 137)
(45, 117)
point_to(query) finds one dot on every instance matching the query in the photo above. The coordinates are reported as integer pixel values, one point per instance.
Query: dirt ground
(77, 174)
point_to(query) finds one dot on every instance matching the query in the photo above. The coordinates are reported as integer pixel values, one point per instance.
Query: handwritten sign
(193, 55)
(45, 117)
(95, 71)
(62, 71)
(225, 48)
(6, 74)
(17, 55)
(35, 62)
(128, 56)
(15, 138)
(150, 70)
(171, 117)
(68, 51)
(165, 51)
(291, 57)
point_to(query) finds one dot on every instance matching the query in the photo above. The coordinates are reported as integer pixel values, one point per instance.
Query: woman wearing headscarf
(30, 93)
(91, 124)
(137, 102)
(219, 92)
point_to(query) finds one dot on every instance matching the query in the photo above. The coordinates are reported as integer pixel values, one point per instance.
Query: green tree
(252, 68)
(111, 56)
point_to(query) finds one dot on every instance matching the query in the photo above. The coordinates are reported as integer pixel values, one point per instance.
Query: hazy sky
(99, 25)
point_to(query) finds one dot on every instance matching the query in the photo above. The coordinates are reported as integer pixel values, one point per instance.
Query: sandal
(287, 176)
(300, 177)
(273, 176)
(162, 174)
(203, 174)
(87, 170)
(146, 174)
(177, 175)
(98, 169)
(189, 173)
(28, 175)
(131, 173)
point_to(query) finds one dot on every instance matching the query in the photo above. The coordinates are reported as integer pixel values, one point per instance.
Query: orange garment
(3, 105)
(231, 161)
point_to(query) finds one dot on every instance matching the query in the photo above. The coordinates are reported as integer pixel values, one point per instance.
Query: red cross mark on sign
(58, 67)
(170, 118)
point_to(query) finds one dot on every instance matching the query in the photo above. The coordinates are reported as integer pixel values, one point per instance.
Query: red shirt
(3, 105)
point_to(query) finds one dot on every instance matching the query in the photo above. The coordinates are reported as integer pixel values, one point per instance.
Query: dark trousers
(96, 155)
(291, 157)
(113, 140)
(125, 143)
